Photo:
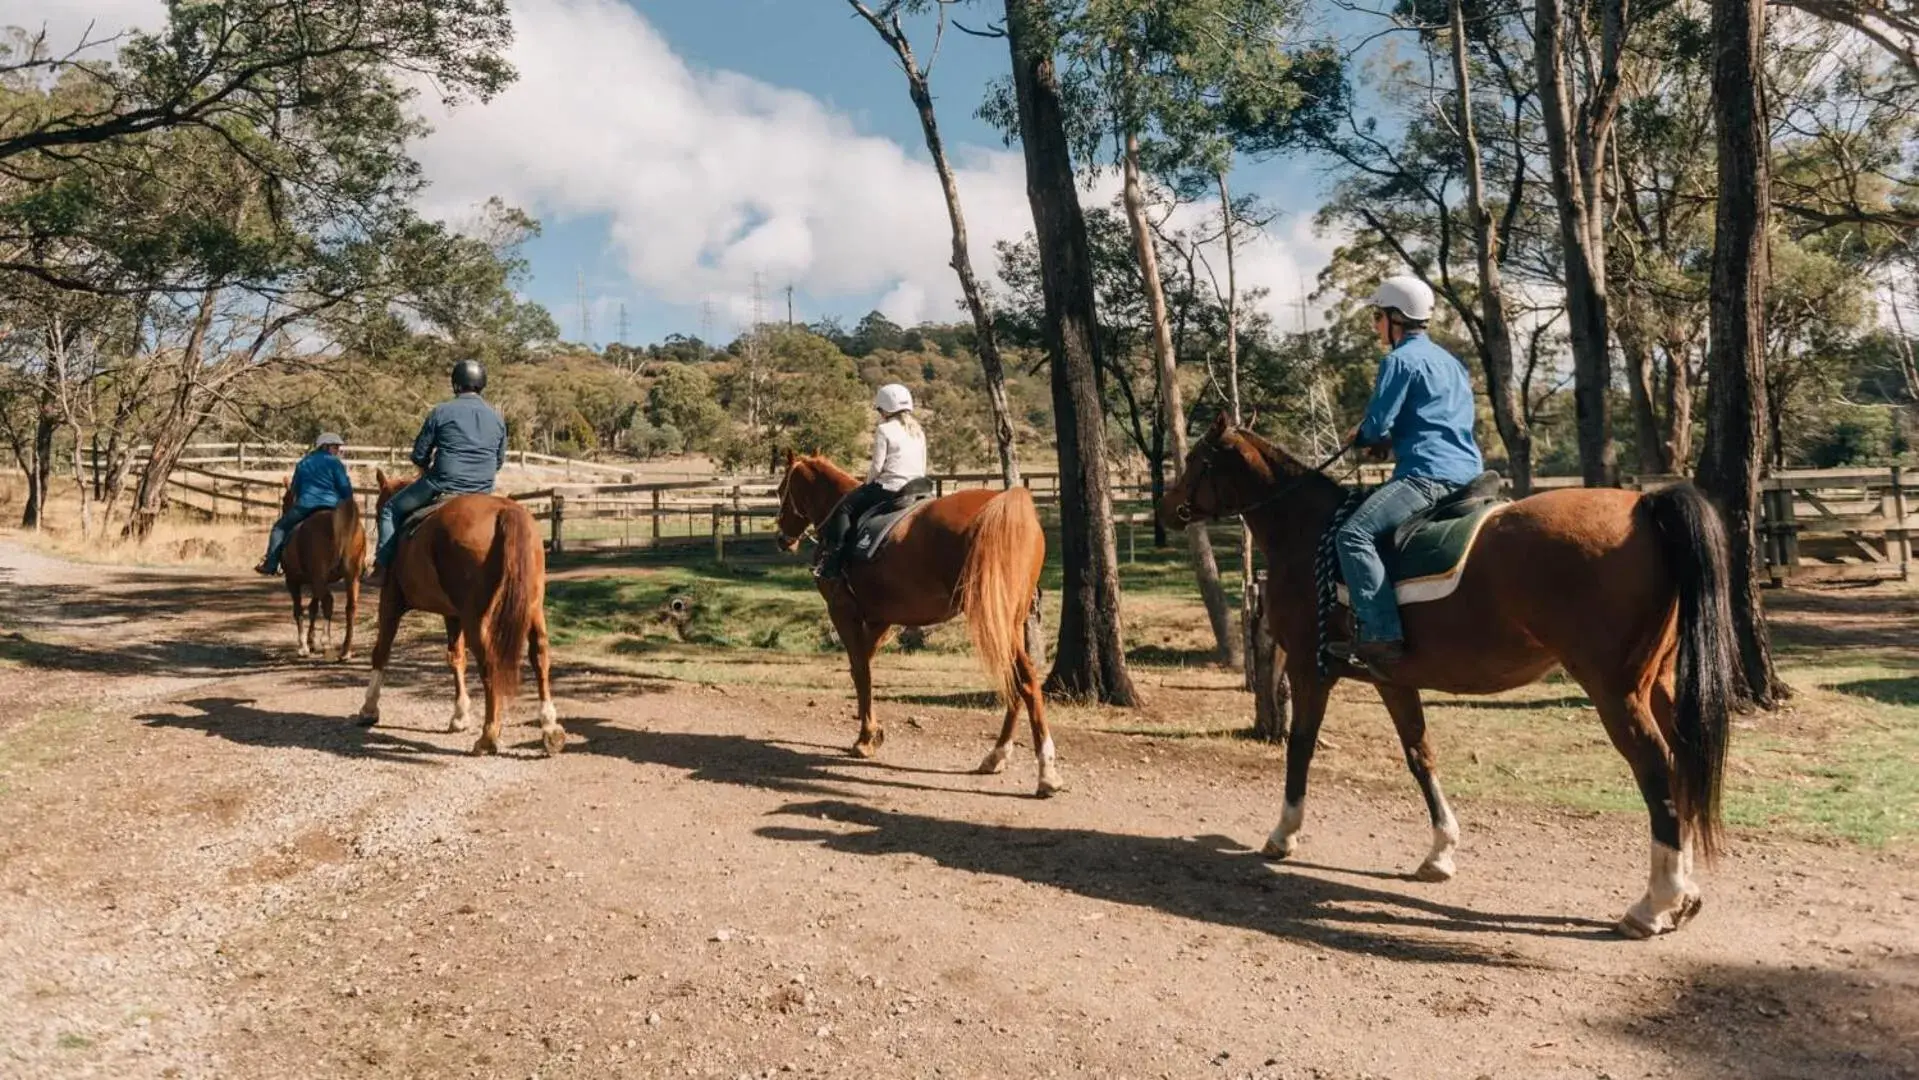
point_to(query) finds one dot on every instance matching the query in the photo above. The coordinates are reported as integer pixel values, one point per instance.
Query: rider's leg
(401, 506)
(277, 540)
(1375, 607)
(834, 534)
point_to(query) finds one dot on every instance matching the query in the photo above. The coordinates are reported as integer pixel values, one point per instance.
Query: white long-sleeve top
(899, 455)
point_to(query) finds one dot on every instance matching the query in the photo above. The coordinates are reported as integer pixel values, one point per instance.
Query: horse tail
(1708, 680)
(1003, 560)
(516, 582)
(347, 554)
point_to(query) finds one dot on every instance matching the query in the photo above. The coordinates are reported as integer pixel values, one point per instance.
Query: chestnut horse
(329, 546)
(478, 563)
(1627, 592)
(976, 551)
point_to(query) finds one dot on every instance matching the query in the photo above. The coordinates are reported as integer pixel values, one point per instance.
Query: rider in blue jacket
(320, 482)
(460, 449)
(1422, 407)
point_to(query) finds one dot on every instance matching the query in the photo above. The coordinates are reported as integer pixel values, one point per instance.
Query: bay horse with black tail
(977, 552)
(1627, 592)
(477, 562)
(329, 546)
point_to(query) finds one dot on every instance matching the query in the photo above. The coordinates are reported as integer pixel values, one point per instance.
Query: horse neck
(1289, 527)
(828, 484)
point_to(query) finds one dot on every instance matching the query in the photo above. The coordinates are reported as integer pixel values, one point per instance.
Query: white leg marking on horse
(462, 714)
(1439, 864)
(1049, 781)
(371, 708)
(995, 760)
(1285, 836)
(552, 735)
(1671, 897)
(549, 716)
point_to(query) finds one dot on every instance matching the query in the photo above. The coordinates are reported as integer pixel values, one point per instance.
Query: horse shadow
(239, 720)
(1207, 879)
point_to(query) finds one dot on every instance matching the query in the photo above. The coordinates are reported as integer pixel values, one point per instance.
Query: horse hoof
(1637, 927)
(345, 656)
(994, 764)
(1275, 850)
(1049, 788)
(1435, 871)
(865, 749)
(554, 740)
(366, 719)
(485, 747)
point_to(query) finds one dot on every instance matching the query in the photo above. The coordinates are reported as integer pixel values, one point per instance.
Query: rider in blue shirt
(1422, 408)
(460, 449)
(320, 482)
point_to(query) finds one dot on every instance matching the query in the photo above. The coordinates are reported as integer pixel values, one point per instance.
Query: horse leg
(862, 640)
(390, 612)
(1310, 690)
(352, 613)
(539, 650)
(1049, 782)
(995, 761)
(489, 740)
(1409, 718)
(456, 659)
(299, 613)
(1634, 721)
(324, 596)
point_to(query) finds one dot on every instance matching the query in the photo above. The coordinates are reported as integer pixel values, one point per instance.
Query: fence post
(736, 511)
(1903, 538)
(656, 517)
(719, 537)
(559, 523)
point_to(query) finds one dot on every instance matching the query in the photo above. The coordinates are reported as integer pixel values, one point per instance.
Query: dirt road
(206, 870)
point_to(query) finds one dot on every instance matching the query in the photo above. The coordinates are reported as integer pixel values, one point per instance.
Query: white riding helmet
(893, 398)
(328, 438)
(1407, 295)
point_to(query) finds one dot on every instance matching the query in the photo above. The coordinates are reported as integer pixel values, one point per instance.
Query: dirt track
(205, 870)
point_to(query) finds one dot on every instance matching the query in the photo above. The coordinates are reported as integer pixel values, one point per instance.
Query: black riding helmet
(469, 377)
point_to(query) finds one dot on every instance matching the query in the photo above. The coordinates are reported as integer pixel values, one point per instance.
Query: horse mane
(1280, 464)
(823, 465)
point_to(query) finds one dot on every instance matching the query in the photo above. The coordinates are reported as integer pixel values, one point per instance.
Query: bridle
(787, 505)
(1208, 448)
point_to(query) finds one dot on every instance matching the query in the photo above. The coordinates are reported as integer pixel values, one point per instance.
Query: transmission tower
(622, 340)
(706, 324)
(586, 317)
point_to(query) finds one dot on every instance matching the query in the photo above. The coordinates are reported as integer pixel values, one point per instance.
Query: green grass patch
(734, 606)
(70, 1040)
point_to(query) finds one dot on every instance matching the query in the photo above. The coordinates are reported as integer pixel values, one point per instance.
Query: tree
(1736, 426)
(682, 397)
(1090, 661)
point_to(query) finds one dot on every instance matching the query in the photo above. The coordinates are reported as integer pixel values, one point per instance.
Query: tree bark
(185, 412)
(986, 338)
(1649, 432)
(39, 465)
(1577, 152)
(1172, 410)
(1677, 423)
(1496, 335)
(1736, 426)
(1090, 661)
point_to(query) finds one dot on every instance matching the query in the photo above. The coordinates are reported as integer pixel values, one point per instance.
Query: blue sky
(675, 148)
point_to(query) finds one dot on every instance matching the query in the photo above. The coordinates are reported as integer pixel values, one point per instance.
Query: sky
(678, 151)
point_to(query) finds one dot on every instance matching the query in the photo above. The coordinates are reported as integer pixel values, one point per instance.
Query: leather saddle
(869, 534)
(1482, 492)
(419, 517)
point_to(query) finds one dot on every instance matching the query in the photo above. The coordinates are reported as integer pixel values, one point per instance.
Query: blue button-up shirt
(462, 445)
(1423, 405)
(320, 481)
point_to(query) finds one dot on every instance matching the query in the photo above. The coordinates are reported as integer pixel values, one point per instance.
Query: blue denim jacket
(320, 481)
(462, 445)
(1423, 405)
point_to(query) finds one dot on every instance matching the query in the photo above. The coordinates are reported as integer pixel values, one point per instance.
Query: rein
(1185, 511)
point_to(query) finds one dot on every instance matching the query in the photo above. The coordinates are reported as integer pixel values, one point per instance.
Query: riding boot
(1380, 657)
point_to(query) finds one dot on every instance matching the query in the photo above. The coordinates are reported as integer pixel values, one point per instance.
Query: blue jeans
(1375, 607)
(283, 530)
(414, 496)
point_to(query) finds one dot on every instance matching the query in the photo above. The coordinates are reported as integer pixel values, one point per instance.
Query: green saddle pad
(1437, 548)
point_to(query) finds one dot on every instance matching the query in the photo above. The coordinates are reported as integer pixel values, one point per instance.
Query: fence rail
(1818, 525)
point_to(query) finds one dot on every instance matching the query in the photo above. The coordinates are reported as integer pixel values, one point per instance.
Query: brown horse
(328, 546)
(478, 563)
(1627, 592)
(977, 552)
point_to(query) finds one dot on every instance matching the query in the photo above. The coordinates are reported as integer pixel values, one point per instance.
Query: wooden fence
(1818, 525)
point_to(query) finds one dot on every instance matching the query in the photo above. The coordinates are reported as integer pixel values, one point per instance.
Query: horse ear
(789, 457)
(1251, 419)
(1219, 425)
(379, 477)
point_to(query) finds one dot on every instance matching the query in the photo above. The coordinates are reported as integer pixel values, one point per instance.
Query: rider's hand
(1382, 452)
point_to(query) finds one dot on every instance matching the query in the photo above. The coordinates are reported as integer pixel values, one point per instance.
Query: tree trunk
(1648, 430)
(1496, 335)
(1172, 409)
(1227, 220)
(39, 466)
(1090, 662)
(1736, 423)
(1677, 429)
(1578, 197)
(986, 338)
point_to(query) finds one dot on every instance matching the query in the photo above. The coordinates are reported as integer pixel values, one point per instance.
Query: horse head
(793, 522)
(1214, 479)
(389, 486)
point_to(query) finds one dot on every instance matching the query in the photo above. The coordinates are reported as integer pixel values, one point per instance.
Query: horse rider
(1422, 408)
(460, 449)
(899, 457)
(320, 482)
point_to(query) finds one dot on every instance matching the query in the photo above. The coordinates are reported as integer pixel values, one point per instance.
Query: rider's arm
(1389, 393)
(879, 454)
(341, 480)
(499, 456)
(424, 442)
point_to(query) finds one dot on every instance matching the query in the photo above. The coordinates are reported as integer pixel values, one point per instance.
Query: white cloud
(708, 177)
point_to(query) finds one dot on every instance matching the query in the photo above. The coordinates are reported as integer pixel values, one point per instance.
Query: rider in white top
(899, 458)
